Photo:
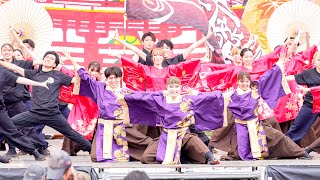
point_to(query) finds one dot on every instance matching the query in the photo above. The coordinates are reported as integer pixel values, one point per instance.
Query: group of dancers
(155, 118)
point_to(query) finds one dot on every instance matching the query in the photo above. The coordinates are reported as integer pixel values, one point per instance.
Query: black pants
(17, 108)
(14, 135)
(57, 122)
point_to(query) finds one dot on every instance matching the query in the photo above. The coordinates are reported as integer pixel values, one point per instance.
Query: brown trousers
(279, 145)
(222, 137)
(192, 147)
(138, 141)
(71, 147)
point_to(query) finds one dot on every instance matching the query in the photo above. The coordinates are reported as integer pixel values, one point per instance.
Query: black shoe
(21, 153)
(44, 151)
(11, 153)
(38, 156)
(306, 156)
(308, 150)
(5, 159)
(3, 147)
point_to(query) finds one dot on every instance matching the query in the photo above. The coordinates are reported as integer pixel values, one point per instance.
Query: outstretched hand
(282, 57)
(45, 84)
(304, 89)
(116, 35)
(66, 53)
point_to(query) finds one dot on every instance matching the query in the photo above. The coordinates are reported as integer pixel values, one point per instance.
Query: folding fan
(293, 16)
(30, 18)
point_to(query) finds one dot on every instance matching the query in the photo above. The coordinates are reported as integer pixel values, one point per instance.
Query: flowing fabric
(315, 91)
(140, 77)
(175, 117)
(84, 112)
(288, 106)
(227, 78)
(205, 69)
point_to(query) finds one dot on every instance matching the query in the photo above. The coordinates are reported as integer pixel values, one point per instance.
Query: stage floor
(225, 170)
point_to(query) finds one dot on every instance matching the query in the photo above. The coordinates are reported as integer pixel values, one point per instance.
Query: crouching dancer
(175, 113)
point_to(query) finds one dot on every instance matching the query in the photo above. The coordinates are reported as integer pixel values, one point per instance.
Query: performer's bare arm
(135, 57)
(76, 66)
(133, 48)
(26, 51)
(290, 78)
(25, 81)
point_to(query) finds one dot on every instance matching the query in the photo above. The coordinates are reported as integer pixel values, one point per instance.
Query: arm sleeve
(223, 79)
(133, 74)
(273, 85)
(28, 73)
(10, 79)
(66, 71)
(315, 91)
(148, 60)
(177, 59)
(65, 79)
(24, 64)
(187, 72)
(267, 61)
(143, 108)
(88, 86)
(208, 110)
(301, 78)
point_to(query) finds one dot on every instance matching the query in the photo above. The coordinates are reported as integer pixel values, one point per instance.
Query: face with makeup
(94, 73)
(18, 55)
(174, 90)
(113, 81)
(7, 52)
(247, 58)
(244, 83)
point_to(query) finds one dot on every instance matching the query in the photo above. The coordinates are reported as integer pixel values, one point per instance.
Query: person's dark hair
(137, 175)
(18, 51)
(57, 61)
(243, 75)
(7, 45)
(254, 84)
(165, 41)
(244, 50)
(153, 37)
(30, 42)
(95, 66)
(114, 70)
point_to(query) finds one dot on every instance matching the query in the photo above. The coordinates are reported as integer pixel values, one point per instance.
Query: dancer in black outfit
(6, 126)
(45, 108)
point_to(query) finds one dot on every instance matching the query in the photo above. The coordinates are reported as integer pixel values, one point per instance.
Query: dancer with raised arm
(45, 109)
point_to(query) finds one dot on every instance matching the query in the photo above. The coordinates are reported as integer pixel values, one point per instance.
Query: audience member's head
(34, 172)
(59, 165)
(137, 175)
